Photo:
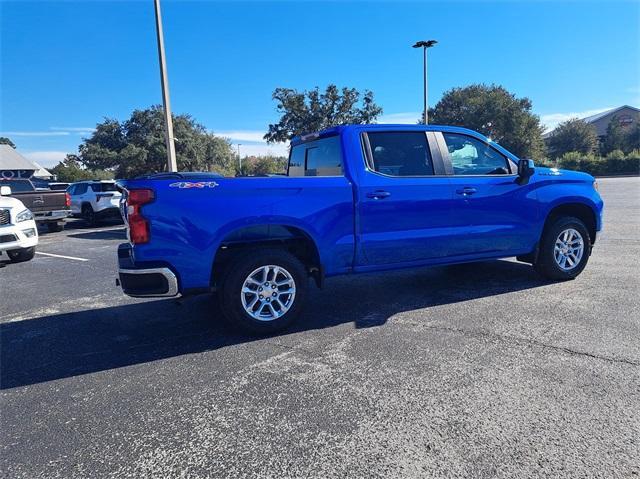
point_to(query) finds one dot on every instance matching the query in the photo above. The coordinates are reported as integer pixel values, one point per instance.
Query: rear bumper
(144, 281)
(46, 216)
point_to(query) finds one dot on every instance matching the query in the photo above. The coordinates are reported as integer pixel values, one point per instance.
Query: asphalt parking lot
(480, 370)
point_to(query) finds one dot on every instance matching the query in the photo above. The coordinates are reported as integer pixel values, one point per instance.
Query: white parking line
(61, 256)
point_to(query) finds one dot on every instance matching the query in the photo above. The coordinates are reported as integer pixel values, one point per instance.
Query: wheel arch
(582, 211)
(291, 238)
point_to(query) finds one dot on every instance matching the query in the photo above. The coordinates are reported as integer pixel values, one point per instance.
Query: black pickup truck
(48, 207)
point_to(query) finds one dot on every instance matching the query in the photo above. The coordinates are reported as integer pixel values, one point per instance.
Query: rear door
(495, 211)
(404, 199)
(78, 193)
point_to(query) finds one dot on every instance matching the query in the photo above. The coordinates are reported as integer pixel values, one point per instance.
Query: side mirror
(526, 169)
(5, 190)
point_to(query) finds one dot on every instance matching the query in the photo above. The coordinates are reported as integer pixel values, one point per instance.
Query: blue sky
(66, 65)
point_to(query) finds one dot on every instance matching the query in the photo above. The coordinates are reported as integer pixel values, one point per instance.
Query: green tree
(573, 135)
(70, 170)
(137, 146)
(263, 165)
(621, 137)
(6, 141)
(494, 112)
(309, 111)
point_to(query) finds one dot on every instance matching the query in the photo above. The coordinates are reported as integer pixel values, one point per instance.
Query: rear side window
(103, 187)
(317, 158)
(400, 153)
(81, 189)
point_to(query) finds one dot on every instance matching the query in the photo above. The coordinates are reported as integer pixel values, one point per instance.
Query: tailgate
(40, 201)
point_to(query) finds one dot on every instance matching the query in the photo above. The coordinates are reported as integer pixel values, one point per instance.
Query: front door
(497, 212)
(404, 200)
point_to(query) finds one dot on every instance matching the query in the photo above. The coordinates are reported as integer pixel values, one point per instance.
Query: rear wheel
(89, 215)
(564, 249)
(54, 227)
(22, 254)
(264, 292)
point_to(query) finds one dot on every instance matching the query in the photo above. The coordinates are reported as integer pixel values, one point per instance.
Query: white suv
(18, 230)
(94, 200)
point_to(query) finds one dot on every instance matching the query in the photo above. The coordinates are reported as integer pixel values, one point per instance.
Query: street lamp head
(425, 43)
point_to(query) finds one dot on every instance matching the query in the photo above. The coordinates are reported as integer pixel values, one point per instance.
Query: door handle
(378, 195)
(466, 191)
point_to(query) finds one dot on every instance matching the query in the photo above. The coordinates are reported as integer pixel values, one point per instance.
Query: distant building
(626, 115)
(14, 165)
(42, 173)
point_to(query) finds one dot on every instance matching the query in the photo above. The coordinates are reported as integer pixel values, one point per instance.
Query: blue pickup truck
(356, 198)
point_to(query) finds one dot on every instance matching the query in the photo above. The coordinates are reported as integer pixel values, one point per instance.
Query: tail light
(67, 200)
(138, 224)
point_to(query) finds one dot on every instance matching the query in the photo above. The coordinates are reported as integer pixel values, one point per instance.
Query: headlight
(24, 216)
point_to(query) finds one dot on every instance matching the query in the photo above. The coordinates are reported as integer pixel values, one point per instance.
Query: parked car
(357, 198)
(95, 200)
(50, 208)
(18, 230)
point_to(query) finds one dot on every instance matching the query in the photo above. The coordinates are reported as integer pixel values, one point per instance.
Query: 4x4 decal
(194, 184)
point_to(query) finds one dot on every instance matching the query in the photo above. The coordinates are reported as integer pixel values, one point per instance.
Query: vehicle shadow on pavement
(65, 345)
(120, 233)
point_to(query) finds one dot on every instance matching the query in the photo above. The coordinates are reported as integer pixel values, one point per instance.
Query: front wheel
(564, 249)
(264, 291)
(21, 255)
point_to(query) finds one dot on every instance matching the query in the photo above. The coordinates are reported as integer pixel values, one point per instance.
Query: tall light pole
(424, 44)
(239, 160)
(172, 165)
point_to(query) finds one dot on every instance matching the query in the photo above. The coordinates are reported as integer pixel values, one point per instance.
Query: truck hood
(8, 202)
(551, 173)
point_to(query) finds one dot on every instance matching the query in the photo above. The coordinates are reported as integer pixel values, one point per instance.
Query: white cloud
(73, 129)
(408, 117)
(46, 159)
(263, 149)
(252, 143)
(34, 133)
(552, 120)
(242, 135)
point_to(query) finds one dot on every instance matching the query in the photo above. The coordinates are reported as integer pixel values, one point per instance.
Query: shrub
(615, 163)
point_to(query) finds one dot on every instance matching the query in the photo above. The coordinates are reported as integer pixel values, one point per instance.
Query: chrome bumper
(148, 283)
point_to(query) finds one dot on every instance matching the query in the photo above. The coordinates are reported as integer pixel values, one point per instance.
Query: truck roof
(336, 130)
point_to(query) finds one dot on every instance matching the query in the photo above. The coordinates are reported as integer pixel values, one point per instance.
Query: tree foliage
(621, 137)
(70, 170)
(309, 111)
(494, 112)
(6, 141)
(573, 135)
(137, 146)
(263, 165)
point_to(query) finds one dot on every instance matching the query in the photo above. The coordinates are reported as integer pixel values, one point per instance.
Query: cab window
(470, 156)
(321, 157)
(400, 153)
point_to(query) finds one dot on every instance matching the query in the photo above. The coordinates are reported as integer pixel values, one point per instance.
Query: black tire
(240, 267)
(89, 215)
(55, 227)
(21, 255)
(546, 264)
